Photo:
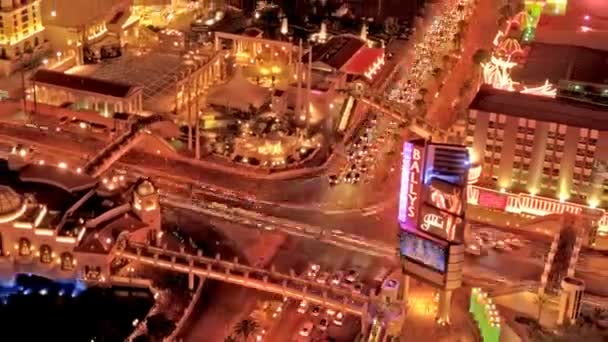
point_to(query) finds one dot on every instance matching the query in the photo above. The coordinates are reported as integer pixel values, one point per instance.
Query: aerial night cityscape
(304, 170)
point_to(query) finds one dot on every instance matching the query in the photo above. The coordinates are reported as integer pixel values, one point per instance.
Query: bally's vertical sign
(409, 196)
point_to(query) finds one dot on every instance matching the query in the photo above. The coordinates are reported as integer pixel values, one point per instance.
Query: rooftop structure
(336, 52)
(65, 224)
(107, 97)
(575, 63)
(583, 23)
(541, 108)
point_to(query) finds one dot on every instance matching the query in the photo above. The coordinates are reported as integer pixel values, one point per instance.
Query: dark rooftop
(56, 199)
(336, 52)
(61, 178)
(563, 62)
(541, 108)
(101, 240)
(88, 84)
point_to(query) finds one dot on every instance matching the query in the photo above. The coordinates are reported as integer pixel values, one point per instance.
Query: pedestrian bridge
(287, 285)
(416, 123)
(121, 145)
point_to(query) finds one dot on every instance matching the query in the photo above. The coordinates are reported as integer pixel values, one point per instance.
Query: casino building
(538, 155)
(62, 224)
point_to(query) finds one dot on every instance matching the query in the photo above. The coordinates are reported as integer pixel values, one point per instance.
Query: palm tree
(481, 56)
(422, 92)
(246, 328)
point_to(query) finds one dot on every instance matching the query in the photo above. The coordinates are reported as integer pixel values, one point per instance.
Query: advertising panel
(409, 196)
(445, 196)
(441, 224)
(424, 251)
(492, 199)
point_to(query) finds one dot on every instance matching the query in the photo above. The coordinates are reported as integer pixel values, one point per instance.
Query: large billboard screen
(492, 199)
(441, 224)
(424, 251)
(409, 196)
(446, 196)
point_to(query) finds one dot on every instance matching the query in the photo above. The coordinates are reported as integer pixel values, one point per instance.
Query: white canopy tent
(239, 93)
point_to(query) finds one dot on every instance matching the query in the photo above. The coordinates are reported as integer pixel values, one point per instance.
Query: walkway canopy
(239, 93)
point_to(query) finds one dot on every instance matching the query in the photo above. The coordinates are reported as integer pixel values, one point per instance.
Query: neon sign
(431, 221)
(410, 182)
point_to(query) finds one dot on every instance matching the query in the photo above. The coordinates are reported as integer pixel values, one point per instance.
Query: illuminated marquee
(410, 183)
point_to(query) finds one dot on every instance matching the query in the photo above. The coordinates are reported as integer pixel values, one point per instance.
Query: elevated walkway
(287, 285)
(121, 145)
(416, 123)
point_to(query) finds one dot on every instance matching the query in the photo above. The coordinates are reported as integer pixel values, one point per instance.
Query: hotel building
(546, 155)
(75, 25)
(21, 31)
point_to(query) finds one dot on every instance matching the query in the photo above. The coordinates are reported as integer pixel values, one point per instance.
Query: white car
(303, 307)
(336, 278)
(339, 319)
(323, 278)
(306, 329)
(351, 276)
(323, 324)
(313, 270)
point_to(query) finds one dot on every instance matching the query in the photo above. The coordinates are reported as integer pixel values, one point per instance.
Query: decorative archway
(67, 261)
(25, 247)
(46, 254)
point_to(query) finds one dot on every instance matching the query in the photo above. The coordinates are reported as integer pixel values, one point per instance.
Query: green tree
(481, 56)
(246, 328)
(445, 60)
(420, 106)
(390, 26)
(437, 73)
(423, 91)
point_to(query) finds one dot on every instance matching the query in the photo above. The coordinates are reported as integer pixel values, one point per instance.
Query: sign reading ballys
(409, 197)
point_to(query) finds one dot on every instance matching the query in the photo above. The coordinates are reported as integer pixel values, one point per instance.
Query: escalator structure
(121, 145)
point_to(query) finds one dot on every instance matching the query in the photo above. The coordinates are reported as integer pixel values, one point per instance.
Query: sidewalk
(482, 28)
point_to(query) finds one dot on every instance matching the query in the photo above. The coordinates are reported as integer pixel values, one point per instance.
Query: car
(303, 307)
(336, 278)
(313, 270)
(323, 278)
(323, 324)
(358, 287)
(351, 276)
(515, 242)
(339, 319)
(306, 329)
(315, 311)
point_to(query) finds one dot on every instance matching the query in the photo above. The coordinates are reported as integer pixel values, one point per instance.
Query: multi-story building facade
(78, 25)
(21, 31)
(553, 152)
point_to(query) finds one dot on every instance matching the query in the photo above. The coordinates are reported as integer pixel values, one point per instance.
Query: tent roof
(239, 93)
